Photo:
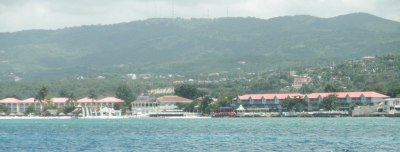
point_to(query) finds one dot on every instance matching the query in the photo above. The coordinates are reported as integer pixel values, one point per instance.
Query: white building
(145, 105)
(170, 102)
(18, 107)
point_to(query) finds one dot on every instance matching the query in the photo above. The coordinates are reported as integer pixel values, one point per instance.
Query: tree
(212, 107)
(394, 91)
(71, 97)
(29, 110)
(205, 103)
(49, 101)
(224, 101)
(301, 104)
(118, 106)
(68, 109)
(63, 93)
(41, 96)
(260, 86)
(331, 88)
(330, 102)
(305, 89)
(3, 108)
(187, 91)
(293, 103)
(125, 93)
(186, 106)
(180, 105)
(92, 94)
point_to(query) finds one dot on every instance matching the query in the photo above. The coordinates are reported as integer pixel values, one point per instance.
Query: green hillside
(190, 46)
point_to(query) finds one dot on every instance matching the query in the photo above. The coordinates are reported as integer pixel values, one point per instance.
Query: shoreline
(127, 117)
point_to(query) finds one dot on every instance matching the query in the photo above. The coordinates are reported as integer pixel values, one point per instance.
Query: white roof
(240, 108)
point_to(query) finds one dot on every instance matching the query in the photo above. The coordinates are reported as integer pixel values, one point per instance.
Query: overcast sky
(16, 15)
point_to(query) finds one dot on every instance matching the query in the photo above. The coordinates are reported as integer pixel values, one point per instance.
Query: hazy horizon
(20, 15)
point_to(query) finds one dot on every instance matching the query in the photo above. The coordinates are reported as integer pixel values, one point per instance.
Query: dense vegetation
(193, 46)
(213, 58)
(381, 74)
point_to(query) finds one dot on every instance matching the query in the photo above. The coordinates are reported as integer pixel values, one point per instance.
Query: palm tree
(41, 96)
(71, 99)
(92, 95)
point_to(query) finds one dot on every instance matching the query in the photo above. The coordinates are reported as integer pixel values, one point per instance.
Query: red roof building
(109, 100)
(170, 102)
(274, 100)
(10, 100)
(86, 100)
(19, 106)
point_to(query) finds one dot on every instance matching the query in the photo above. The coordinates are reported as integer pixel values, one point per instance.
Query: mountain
(190, 46)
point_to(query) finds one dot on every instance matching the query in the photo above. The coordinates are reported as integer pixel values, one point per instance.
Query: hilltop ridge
(195, 45)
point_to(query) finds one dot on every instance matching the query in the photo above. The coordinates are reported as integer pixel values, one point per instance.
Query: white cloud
(51, 14)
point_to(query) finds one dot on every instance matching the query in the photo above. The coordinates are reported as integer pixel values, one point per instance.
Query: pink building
(17, 106)
(273, 101)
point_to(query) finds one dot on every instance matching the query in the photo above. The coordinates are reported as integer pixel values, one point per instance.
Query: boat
(224, 112)
(397, 107)
(290, 114)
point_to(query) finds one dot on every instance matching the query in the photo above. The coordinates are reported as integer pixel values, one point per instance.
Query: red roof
(85, 100)
(29, 100)
(109, 100)
(64, 100)
(374, 95)
(59, 100)
(312, 95)
(270, 96)
(10, 100)
(316, 95)
(173, 99)
(350, 94)
(290, 95)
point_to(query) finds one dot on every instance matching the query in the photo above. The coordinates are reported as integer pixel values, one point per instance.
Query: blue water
(220, 134)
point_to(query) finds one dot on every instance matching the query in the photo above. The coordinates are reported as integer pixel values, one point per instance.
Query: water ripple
(263, 134)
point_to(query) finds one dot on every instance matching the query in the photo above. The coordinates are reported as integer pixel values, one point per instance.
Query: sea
(191, 135)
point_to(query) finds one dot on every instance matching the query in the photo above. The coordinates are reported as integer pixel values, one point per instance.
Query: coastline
(205, 117)
(31, 117)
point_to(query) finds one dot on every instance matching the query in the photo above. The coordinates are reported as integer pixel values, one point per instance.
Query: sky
(17, 15)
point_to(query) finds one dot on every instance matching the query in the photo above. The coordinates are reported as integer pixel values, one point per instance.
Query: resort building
(348, 98)
(273, 101)
(94, 103)
(145, 105)
(391, 103)
(168, 103)
(91, 107)
(17, 106)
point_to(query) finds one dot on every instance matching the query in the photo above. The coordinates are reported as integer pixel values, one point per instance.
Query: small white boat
(397, 107)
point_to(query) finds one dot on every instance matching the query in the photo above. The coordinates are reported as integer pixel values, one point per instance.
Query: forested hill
(194, 45)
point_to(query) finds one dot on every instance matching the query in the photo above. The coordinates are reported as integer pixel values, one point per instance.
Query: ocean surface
(219, 134)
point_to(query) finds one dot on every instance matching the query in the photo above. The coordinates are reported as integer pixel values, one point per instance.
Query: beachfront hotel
(148, 105)
(17, 106)
(144, 105)
(273, 101)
